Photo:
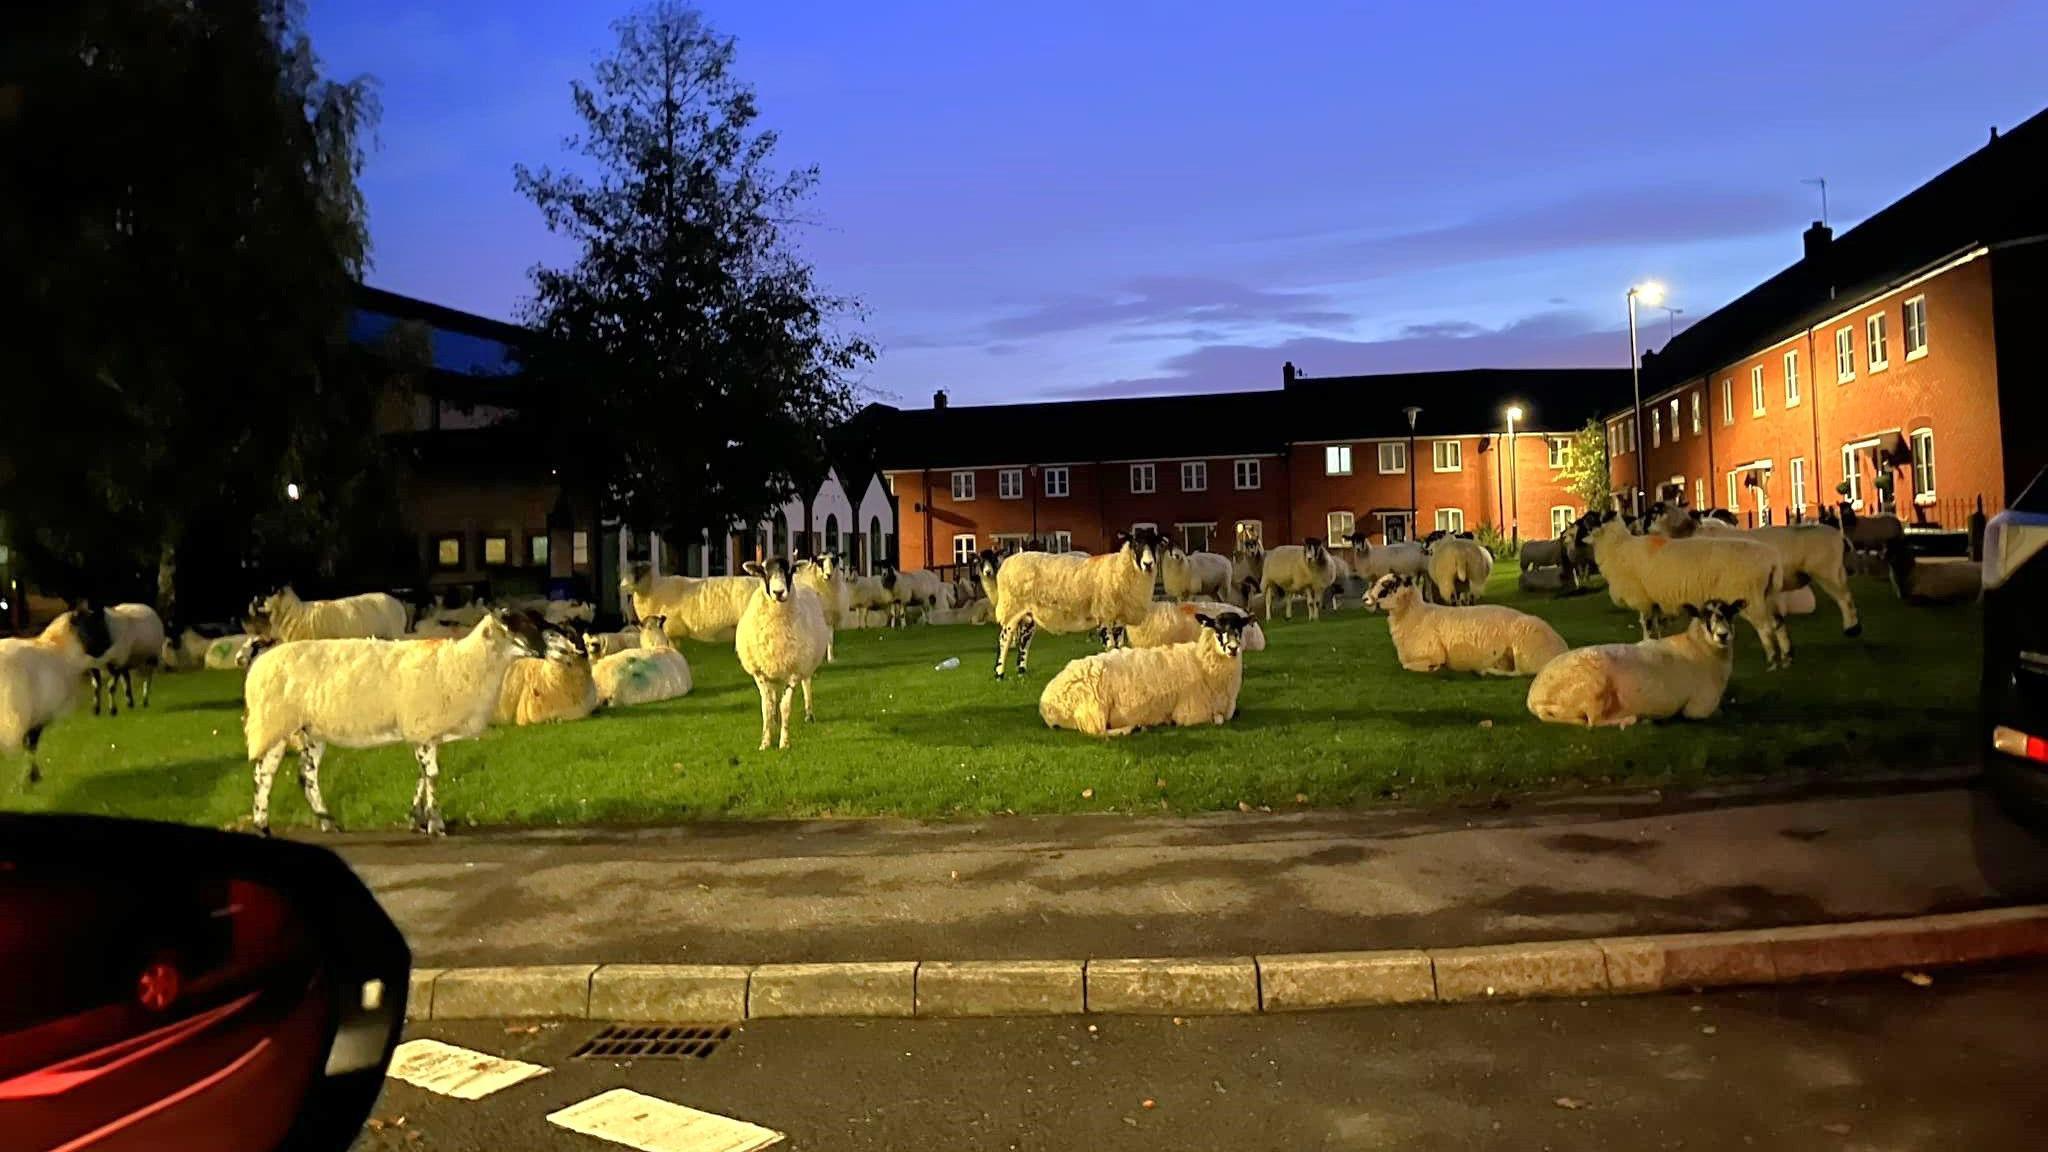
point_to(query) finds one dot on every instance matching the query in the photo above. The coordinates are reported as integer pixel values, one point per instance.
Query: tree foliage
(1586, 474)
(182, 230)
(694, 358)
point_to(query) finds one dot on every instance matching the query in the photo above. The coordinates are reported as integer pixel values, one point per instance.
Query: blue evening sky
(1064, 199)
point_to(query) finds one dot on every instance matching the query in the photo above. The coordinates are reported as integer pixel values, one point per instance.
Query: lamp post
(1514, 479)
(1671, 316)
(1412, 412)
(1651, 293)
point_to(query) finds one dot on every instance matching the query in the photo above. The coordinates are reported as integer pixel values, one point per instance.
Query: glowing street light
(1651, 293)
(291, 491)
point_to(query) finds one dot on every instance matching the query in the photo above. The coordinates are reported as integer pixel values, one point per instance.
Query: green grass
(1326, 712)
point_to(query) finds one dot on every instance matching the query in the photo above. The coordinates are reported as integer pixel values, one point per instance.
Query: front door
(1393, 527)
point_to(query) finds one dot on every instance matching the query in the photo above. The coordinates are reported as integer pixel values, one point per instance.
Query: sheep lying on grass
(1490, 639)
(551, 689)
(781, 641)
(229, 652)
(648, 672)
(865, 595)
(706, 608)
(1192, 575)
(1619, 684)
(1069, 593)
(283, 617)
(1655, 577)
(39, 677)
(1942, 582)
(368, 693)
(1305, 569)
(1458, 569)
(1166, 623)
(1117, 693)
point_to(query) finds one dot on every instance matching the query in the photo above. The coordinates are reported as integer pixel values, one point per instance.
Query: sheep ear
(752, 568)
(802, 564)
(1693, 611)
(1737, 607)
(1204, 620)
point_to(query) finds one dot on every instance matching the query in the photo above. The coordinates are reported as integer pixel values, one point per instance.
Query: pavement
(1873, 1064)
(1559, 868)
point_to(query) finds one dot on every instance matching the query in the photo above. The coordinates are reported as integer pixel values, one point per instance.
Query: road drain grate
(652, 1042)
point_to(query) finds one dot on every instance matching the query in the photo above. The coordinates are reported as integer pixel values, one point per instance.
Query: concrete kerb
(1228, 985)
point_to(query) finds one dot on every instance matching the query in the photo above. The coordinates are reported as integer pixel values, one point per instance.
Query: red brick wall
(1524, 493)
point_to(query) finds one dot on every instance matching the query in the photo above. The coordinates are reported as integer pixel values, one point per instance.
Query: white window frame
(1656, 426)
(1194, 475)
(1734, 493)
(579, 548)
(1756, 391)
(1915, 326)
(1144, 479)
(1406, 522)
(1450, 519)
(1059, 543)
(1561, 517)
(1064, 485)
(1696, 411)
(1614, 438)
(1010, 484)
(1331, 520)
(963, 492)
(1727, 401)
(1699, 492)
(1209, 532)
(1245, 475)
(1852, 469)
(1798, 475)
(1877, 354)
(1922, 442)
(1845, 353)
(1557, 450)
(1792, 378)
(1436, 455)
(963, 555)
(1336, 459)
(1674, 419)
(1009, 542)
(1628, 432)
(1399, 452)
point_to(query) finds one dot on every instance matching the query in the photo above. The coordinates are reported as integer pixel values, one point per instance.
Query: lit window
(1695, 411)
(1450, 520)
(1734, 491)
(1393, 458)
(579, 548)
(1246, 474)
(1699, 491)
(1629, 431)
(1557, 450)
(1916, 327)
(1727, 402)
(1874, 345)
(963, 485)
(963, 549)
(1656, 428)
(1194, 476)
(1337, 460)
(1561, 518)
(1449, 455)
(1756, 390)
(1799, 483)
(1852, 470)
(1337, 526)
(1791, 379)
(1144, 478)
(1010, 484)
(1674, 419)
(1845, 354)
(1060, 543)
(1056, 481)
(497, 549)
(448, 552)
(537, 551)
(1923, 464)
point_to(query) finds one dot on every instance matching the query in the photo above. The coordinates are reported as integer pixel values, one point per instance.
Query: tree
(183, 231)
(1586, 474)
(690, 357)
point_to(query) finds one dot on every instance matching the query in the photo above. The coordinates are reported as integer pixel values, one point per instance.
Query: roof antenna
(1823, 182)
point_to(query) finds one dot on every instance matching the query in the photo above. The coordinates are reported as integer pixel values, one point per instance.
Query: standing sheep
(646, 673)
(1942, 582)
(1490, 639)
(39, 677)
(1192, 575)
(1304, 569)
(1654, 577)
(866, 594)
(1116, 693)
(1619, 684)
(283, 617)
(827, 578)
(1247, 564)
(1458, 568)
(369, 693)
(549, 689)
(696, 608)
(917, 588)
(781, 641)
(1407, 558)
(138, 634)
(1815, 553)
(1069, 593)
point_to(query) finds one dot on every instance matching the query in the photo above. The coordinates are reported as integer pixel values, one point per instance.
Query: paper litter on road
(650, 1124)
(458, 1072)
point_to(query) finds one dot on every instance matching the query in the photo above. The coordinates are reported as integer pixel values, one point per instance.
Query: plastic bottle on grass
(947, 665)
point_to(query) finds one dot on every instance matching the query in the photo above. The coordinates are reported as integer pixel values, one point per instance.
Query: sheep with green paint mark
(653, 672)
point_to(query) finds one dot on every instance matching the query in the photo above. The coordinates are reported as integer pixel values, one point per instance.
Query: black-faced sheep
(1490, 639)
(40, 677)
(138, 645)
(1655, 576)
(1305, 569)
(1619, 684)
(1941, 582)
(781, 641)
(1068, 593)
(1116, 693)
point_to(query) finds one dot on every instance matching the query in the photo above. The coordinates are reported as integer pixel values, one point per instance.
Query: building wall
(1222, 506)
(1485, 489)
(435, 509)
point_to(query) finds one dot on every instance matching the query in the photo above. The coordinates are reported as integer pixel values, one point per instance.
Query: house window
(579, 548)
(832, 533)
(963, 549)
(1629, 430)
(1194, 476)
(1056, 481)
(1845, 354)
(1144, 478)
(497, 550)
(1674, 419)
(1010, 484)
(1246, 474)
(1059, 543)
(1195, 537)
(1923, 464)
(1695, 411)
(1449, 455)
(537, 550)
(1699, 490)
(1852, 470)
(1734, 491)
(1556, 450)
(1874, 345)
(1450, 519)
(1756, 390)
(963, 485)
(1916, 327)
(1656, 428)
(1799, 483)
(1727, 402)
(1011, 543)
(1613, 439)
(447, 551)
(1393, 458)
(1337, 460)
(1561, 518)
(875, 553)
(1791, 379)
(1338, 525)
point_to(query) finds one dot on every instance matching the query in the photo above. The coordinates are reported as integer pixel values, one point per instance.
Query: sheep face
(1224, 630)
(1718, 618)
(1313, 548)
(1386, 590)
(525, 631)
(777, 576)
(828, 564)
(88, 626)
(1144, 549)
(986, 563)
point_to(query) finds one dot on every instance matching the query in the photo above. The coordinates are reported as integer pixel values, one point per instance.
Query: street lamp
(1652, 294)
(291, 491)
(1514, 478)
(1412, 412)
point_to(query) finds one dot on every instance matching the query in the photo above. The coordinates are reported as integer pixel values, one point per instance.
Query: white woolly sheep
(1458, 569)
(1491, 639)
(1866, 533)
(284, 617)
(138, 634)
(1116, 693)
(39, 677)
(550, 689)
(1941, 582)
(1069, 593)
(1619, 684)
(864, 595)
(649, 672)
(917, 588)
(1304, 569)
(1407, 558)
(369, 693)
(827, 578)
(1191, 575)
(1247, 565)
(603, 644)
(229, 652)
(1654, 576)
(781, 642)
(1170, 622)
(1816, 553)
(696, 608)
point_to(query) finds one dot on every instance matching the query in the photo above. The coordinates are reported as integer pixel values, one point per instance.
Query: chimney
(1817, 239)
(1287, 374)
(939, 400)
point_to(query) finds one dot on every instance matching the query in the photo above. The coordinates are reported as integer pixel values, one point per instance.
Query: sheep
(650, 671)
(1619, 684)
(1168, 622)
(1816, 553)
(1655, 576)
(1865, 533)
(781, 641)
(551, 611)
(39, 677)
(602, 644)
(1942, 582)
(1407, 558)
(362, 693)
(544, 691)
(1116, 693)
(1192, 575)
(916, 588)
(1458, 568)
(696, 608)
(866, 594)
(827, 578)
(1247, 564)
(229, 652)
(138, 644)
(1303, 569)
(466, 614)
(1490, 639)
(1069, 593)
(283, 617)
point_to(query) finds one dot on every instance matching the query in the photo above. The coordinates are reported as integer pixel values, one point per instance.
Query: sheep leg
(1026, 629)
(788, 694)
(767, 713)
(426, 807)
(266, 772)
(128, 687)
(1004, 634)
(309, 781)
(96, 680)
(148, 682)
(808, 715)
(1837, 589)
(1268, 614)
(29, 740)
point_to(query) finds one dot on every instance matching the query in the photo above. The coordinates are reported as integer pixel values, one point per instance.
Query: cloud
(1441, 329)
(1151, 301)
(1000, 349)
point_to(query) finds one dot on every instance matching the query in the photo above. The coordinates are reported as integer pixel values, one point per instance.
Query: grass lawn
(1326, 713)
